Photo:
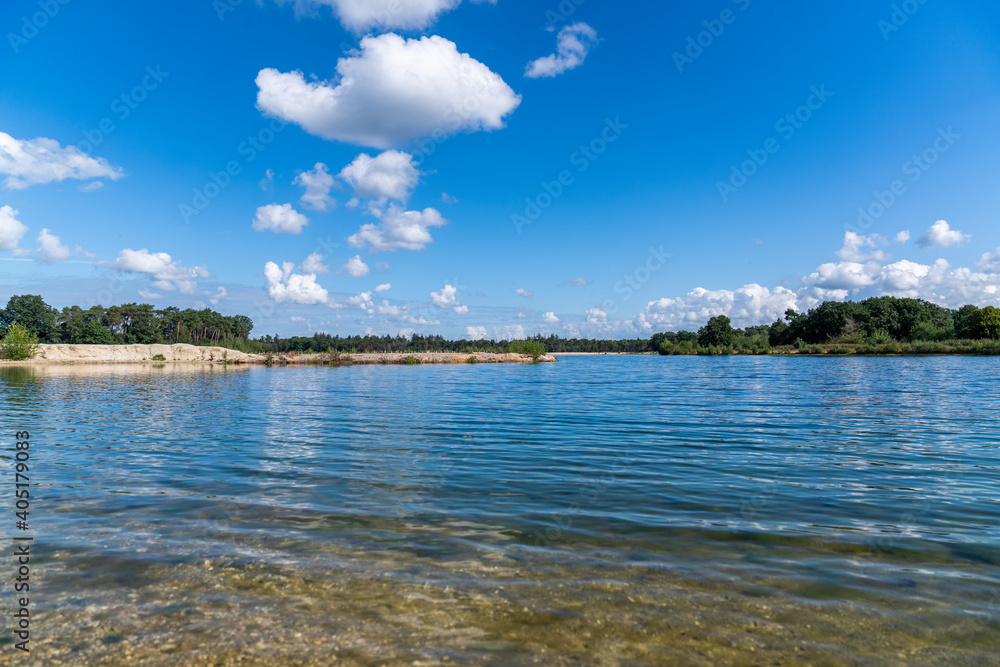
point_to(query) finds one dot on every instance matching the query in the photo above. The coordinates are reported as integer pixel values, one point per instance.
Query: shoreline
(181, 353)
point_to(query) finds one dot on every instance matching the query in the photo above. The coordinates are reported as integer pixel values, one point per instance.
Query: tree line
(874, 322)
(127, 324)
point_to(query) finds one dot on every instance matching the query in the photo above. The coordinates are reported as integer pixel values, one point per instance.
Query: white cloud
(93, 186)
(314, 264)
(356, 267)
(149, 294)
(462, 310)
(167, 274)
(747, 306)
(317, 184)
(550, 318)
(363, 15)
(50, 248)
(285, 286)
(990, 261)
(39, 161)
(844, 275)
(448, 199)
(11, 229)
(572, 46)
(527, 294)
(363, 300)
(854, 245)
(392, 91)
(398, 229)
(511, 332)
(448, 298)
(941, 235)
(596, 316)
(385, 287)
(577, 282)
(902, 237)
(280, 219)
(388, 175)
(402, 314)
(475, 333)
(220, 294)
(265, 182)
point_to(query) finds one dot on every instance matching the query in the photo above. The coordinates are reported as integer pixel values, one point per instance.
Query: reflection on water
(610, 510)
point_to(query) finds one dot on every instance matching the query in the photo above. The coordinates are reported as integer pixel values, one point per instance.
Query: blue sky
(715, 159)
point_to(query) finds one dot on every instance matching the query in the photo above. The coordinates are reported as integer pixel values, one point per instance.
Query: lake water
(599, 510)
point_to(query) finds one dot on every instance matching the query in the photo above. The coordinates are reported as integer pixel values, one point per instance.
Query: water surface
(601, 510)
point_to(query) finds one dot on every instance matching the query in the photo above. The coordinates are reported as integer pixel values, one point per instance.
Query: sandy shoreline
(188, 354)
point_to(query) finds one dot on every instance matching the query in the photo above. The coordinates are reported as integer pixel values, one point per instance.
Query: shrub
(411, 361)
(159, 357)
(529, 347)
(471, 360)
(880, 337)
(18, 344)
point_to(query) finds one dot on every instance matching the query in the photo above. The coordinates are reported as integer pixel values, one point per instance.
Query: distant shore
(182, 353)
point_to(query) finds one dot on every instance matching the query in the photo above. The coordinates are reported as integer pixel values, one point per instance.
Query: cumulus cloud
(11, 229)
(941, 235)
(149, 294)
(749, 305)
(362, 15)
(220, 294)
(286, 286)
(363, 300)
(475, 333)
(596, 316)
(314, 264)
(447, 297)
(527, 294)
(392, 91)
(166, 273)
(398, 229)
(280, 219)
(550, 318)
(50, 248)
(385, 287)
(389, 175)
(356, 267)
(573, 43)
(39, 161)
(990, 261)
(317, 183)
(844, 275)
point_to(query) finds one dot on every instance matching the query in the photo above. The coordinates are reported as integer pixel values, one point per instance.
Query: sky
(499, 169)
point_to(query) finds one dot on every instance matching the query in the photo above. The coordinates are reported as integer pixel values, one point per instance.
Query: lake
(600, 510)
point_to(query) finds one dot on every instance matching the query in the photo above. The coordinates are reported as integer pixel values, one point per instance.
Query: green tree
(986, 323)
(19, 343)
(31, 311)
(718, 332)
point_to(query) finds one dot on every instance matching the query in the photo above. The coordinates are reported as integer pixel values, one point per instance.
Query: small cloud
(317, 183)
(50, 248)
(527, 294)
(166, 273)
(385, 287)
(80, 252)
(148, 294)
(11, 229)
(91, 187)
(356, 268)
(280, 219)
(284, 286)
(576, 282)
(550, 318)
(314, 264)
(573, 43)
(480, 293)
(448, 199)
(389, 175)
(40, 161)
(219, 296)
(941, 235)
(902, 237)
(475, 333)
(447, 297)
(265, 183)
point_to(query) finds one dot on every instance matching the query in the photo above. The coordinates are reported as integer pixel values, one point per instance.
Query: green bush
(159, 357)
(880, 337)
(529, 347)
(19, 343)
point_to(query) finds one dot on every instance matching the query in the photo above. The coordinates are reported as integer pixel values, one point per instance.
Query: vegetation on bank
(880, 325)
(18, 343)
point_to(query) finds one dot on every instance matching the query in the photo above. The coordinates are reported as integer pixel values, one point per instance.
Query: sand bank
(187, 354)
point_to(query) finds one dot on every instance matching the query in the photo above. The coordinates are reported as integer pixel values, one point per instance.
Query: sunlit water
(600, 510)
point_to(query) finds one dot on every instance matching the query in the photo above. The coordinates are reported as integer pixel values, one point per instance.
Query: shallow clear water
(609, 510)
